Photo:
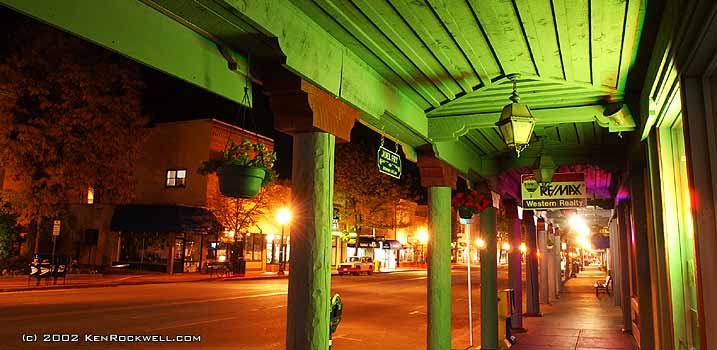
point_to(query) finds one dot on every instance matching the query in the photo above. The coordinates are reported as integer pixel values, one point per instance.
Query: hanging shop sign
(389, 162)
(567, 190)
(56, 228)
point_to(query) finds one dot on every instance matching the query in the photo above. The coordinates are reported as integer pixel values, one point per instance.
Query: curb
(130, 283)
(96, 285)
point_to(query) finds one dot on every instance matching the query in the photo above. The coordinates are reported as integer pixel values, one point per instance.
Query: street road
(382, 311)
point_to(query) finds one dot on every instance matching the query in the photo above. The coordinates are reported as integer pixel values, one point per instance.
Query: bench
(603, 285)
(219, 269)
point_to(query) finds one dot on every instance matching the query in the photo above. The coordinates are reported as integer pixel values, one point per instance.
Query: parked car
(356, 265)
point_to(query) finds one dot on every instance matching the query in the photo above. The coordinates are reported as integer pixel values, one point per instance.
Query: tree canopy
(368, 198)
(9, 234)
(70, 119)
(243, 214)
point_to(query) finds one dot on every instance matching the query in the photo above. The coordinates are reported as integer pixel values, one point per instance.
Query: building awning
(164, 218)
(391, 244)
(600, 242)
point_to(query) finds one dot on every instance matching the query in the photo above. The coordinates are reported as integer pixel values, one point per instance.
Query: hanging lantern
(516, 122)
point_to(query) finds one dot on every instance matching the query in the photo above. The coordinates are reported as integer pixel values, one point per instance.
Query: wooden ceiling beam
(448, 128)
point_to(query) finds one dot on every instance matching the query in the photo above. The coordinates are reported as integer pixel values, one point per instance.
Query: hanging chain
(382, 137)
(245, 101)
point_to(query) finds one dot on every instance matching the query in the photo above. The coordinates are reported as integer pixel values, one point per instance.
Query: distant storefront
(170, 238)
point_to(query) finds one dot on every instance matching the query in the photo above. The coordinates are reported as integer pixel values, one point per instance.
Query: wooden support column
(642, 260)
(316, 120)
(622, 226)
(556, 259)
(489, 281)
(531, 265)
(515, 268)
(550, 262)
(440, 178)
(616, 258)
(544, 284)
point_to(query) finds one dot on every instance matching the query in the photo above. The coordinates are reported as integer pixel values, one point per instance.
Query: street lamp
(422, 236)
(270, 238)
(283, 216)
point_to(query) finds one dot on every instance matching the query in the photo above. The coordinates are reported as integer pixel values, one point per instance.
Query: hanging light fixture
(516, 122)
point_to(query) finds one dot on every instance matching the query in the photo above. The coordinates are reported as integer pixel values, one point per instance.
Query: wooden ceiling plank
(485, 146)
(486, 134)
(568, 133)
(438, 41)
(503, 90)
(362, 51)
(571, 19)
(607, 20)
(503, 30)
(551, 133)
(462, 27)
(631, 36)
(356, 24)
(390, 24)
(467, 140)
(537, 18)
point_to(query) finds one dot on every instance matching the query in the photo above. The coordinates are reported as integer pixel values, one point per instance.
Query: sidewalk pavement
(579, 320)
(23, 283)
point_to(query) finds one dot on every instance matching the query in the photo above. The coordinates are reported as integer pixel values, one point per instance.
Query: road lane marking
(136, 307)
(347, 338)
(192, 324)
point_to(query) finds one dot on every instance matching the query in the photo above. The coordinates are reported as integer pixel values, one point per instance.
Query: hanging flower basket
(470, 203)
(239, 181)
(243, 169)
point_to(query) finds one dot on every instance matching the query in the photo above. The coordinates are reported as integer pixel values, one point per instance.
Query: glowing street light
(523, 248)
(505, 246)
(283, 216)
(480, 243)
(422, 236)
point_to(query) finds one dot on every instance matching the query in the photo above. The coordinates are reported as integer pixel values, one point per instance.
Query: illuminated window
(90, 195)
(176, 178)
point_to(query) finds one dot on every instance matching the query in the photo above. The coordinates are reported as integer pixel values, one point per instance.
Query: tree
(70, 119)
(9, 234)
(240, 215)
(368, 197)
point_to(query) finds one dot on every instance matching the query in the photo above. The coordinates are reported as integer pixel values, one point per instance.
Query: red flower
(459, 195)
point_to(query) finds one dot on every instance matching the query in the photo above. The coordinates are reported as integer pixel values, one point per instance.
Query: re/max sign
(566, 190)
(550, 190)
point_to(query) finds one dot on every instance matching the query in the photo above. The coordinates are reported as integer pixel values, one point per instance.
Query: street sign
(56, 228)
(567, 190)
(389, 162)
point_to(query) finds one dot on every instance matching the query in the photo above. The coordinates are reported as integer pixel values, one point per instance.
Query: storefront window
(254, 247)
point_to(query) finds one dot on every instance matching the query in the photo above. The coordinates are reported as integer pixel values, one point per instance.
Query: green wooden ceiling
(451, 57)
(422, 71)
